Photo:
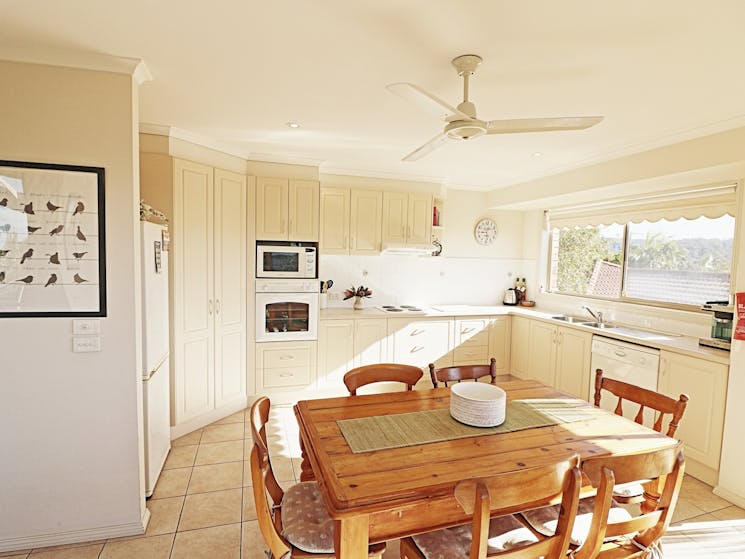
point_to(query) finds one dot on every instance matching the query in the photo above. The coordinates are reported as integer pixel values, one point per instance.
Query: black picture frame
(52, 240)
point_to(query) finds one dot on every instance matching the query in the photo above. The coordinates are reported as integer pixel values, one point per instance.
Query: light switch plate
(86, 344)
(86, 326)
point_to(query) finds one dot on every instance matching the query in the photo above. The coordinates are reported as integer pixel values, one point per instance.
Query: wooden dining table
(395, 492)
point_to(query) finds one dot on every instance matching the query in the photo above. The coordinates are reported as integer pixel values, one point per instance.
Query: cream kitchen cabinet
(285, 371)
(471, 345)
(559, 356)
(350, 221)
(370, 341)
(702, 426)
(519, 346)
(208, 290)
(407, 219)
(420, 342)
(286, 210)
(499, 342)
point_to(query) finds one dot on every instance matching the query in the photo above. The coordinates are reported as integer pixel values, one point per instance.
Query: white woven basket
(478, 404)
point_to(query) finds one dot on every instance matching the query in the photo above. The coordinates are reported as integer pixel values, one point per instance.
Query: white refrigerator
(155, 364)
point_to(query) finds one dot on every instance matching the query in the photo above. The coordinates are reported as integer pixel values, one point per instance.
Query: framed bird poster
(52, 240)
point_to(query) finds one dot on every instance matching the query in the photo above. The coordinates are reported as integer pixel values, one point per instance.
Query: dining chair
(505, 536)
(292, 521)
(381, 372)
(458, 373)
(646, 399)
(604, 529)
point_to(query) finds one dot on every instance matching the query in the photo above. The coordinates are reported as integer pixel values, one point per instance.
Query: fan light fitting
(292, 124)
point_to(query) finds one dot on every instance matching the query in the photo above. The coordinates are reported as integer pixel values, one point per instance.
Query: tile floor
(203, 505)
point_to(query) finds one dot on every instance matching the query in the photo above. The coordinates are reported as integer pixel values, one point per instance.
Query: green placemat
(407, 429)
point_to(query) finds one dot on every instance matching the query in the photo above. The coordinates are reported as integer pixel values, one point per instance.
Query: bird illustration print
(51, 207)
(78, 255)
(54, 258)
(29, 208)
(27, 279)
(2, 277)
(80, 235)
(26, 255)
(79, 209)
(51, 281)
(4, 202)
(4, 252)
(79, 279)
(57, 230)
(32, 229)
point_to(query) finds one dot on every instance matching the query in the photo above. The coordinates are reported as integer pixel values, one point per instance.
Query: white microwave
(285, 261)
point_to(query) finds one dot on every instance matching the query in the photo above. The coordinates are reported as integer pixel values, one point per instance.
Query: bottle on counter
(524, 290)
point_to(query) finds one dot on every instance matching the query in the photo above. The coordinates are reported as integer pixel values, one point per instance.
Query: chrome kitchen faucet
(598, 316)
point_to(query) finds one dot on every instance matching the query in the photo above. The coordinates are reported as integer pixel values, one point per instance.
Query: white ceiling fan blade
(541, 124)
(426, 101)
(429, 147)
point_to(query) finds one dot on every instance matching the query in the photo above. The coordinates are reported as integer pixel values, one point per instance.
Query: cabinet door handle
(218, 306)
(282, 225)
(351, 244)
(416, 332)
(416, 348)
(286, 357)
(285, 375)
(620, 353)
(467, 330)
(345, 242)
(209, 307)
(290, 225)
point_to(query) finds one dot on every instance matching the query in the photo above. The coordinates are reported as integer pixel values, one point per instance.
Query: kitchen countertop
(686, 345)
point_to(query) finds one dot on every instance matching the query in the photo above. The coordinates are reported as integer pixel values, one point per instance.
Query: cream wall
(465, 273)
(71, 459)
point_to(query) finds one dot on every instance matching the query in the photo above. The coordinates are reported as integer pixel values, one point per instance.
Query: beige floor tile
(252, 542)
(731, 513)
(282, 468)
(192, 438)
(15, 554)
(238, 417)
(698, 493)
(164, 515)
(154, 547)
(203, 510)
(219, 433)
(172, 483)
(181, 457)
(216, 453)
(77, 552)
(249, 506)
(246, 474)
(685, 509)
(215, 477)
(219, 542)
(38, 550)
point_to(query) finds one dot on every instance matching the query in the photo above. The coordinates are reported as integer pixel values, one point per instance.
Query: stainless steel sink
(600, 325)
(570, 319)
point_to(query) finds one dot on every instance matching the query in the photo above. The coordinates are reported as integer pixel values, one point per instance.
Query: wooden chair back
(604, 473)
(267, 492)
(521, 490)
(663, 405)
(458, 373)
(382, 372)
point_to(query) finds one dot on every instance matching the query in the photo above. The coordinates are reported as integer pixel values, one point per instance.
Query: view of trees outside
(684, 261)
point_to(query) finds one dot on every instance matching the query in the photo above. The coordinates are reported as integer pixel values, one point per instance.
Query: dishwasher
(630, 363)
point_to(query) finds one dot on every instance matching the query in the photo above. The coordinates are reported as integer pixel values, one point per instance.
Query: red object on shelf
(740, 313)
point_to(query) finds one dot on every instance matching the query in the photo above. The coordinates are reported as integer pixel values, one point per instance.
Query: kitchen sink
(570, 319)
(600, 325)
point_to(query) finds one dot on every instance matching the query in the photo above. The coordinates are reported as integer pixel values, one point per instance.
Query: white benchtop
(686, 345)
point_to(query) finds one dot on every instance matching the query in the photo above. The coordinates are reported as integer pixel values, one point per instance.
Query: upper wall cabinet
(286, 210)
(350, 221)
(407, 218)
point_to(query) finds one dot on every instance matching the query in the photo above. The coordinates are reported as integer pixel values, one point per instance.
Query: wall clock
(485, 231)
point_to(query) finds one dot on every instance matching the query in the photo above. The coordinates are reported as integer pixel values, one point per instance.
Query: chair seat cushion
(305, 522)
(505, 532)
(544, 520)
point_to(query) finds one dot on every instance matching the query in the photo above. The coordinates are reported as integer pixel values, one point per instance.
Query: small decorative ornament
(485, 231)
(358, 293)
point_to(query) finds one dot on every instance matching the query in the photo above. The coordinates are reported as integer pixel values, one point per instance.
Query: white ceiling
(235, 71)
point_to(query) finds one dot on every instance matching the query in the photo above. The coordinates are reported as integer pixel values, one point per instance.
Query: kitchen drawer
(468, 353)
(286, 376)
(285, 354)
(475, 330)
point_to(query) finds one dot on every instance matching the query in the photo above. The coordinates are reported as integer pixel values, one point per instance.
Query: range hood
(410, 250)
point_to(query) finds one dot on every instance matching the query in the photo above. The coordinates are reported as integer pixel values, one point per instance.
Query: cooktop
(402, 309)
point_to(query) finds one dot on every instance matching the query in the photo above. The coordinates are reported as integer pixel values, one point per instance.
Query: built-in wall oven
(277, 259)
(286, 310)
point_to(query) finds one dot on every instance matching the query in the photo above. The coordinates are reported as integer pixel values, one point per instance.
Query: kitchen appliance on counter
(512, 296)
(278, 259)
(286, 310)
(402, 309)
(155, 348)
(721, 325)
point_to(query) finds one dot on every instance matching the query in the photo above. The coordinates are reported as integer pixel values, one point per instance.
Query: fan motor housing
(465, 129)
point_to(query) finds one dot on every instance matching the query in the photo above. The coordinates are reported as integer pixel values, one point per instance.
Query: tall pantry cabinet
(208, 227)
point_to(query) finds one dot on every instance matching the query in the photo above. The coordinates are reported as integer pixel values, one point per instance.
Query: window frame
(623, 298)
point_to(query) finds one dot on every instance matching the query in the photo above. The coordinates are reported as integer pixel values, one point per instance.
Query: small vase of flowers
(358, 293)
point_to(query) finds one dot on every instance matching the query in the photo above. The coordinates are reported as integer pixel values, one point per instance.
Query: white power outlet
(86, 344)
(334, 296)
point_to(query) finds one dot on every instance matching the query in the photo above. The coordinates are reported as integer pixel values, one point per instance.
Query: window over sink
(667, 254)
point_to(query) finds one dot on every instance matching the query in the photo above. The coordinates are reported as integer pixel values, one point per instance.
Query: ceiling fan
(461, 121)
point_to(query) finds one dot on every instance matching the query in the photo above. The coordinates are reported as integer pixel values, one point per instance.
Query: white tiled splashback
(404, 279)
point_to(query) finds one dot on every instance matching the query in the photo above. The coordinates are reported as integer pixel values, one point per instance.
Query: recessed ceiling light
(293, 125)
(537, 154)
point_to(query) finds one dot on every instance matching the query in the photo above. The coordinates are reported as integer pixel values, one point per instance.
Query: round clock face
(485, 231)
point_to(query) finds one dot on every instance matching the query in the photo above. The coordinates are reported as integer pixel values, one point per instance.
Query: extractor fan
(462, 123)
